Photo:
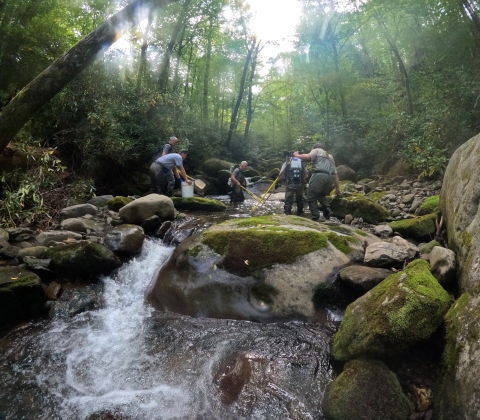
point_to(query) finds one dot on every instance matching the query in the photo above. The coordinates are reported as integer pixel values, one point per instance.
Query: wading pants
(319, 187)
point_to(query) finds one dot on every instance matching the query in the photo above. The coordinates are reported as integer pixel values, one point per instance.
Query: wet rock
(231, 376)
(21, 295)
(75, 301)
(198, 204)
(20, 234)
(82, 259)
(53, 290)
(359, 207)
(390, 253)
(363, 278)
(366, 390)
(78, 210)
(263, 268)
(125, 239)
(151, 224)
(52, 237)
(100, 201)
(142, 209)
(443, 266)
(393, 316)
(36, 264)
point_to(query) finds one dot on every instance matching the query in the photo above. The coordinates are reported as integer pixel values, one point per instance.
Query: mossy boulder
(273, 174)
(404, 309)
(376, 196)
(250, 172)
(21, 295)
(426, 248)
(458, 395)
(359, 206)
(213, 165)
(417, 227)
(261, 268)
(429, 205)
(459, 205)
(116, 203)
(82, 259)
(366, 390)
(198, 204)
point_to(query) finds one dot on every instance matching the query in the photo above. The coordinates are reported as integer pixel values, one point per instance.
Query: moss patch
(257, 221)
(360, 232)
(116, 203)
(466, 239)
(359, 206)
(377, 196)
(198, 204)
(405, 308)
(248, 250)
(342, 243)
(429, 205)
(418, 227)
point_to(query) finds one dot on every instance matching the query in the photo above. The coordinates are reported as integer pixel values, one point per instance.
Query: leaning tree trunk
(52, 80)
(250, 93)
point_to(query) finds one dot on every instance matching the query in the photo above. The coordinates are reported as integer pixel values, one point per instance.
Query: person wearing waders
(324, 177)
(165, 170)
(238, 180)
(295, 174)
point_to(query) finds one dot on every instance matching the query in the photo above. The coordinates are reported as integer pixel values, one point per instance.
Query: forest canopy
(376, 81)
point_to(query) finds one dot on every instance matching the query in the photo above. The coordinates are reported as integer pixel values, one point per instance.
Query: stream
(128, 361)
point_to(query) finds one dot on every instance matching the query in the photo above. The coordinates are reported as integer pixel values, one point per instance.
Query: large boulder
(82, 259)
(404, 309)
(359, 206)
(198, 204)
(213, 165)
(143, 208)
(262, 268)
(346, 174)
(21, 295)
(459, 390)
(125, 239)
(52, 237)
(459, 204)
(366, 390)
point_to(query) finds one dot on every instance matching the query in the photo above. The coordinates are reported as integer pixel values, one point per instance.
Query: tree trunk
(472, 13)
(233, 120)
(176, 77)
(206, 77)
(51, 81)
(143, 54)
(187, 78)
(164, 71)
(250, 93)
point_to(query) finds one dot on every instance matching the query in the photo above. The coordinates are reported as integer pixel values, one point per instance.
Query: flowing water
(127, 361)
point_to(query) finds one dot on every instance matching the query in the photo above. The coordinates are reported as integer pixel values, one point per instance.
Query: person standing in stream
(324, 177)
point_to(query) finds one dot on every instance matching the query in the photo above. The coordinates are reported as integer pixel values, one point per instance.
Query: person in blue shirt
(165, 170)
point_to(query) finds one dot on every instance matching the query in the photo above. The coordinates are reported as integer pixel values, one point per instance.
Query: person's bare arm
(337, 185)
(184, 175)
(305, 157)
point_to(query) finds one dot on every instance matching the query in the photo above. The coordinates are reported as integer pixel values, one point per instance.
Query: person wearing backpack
(166, 148)
(324, 177)
(296, 175)
(238, 180)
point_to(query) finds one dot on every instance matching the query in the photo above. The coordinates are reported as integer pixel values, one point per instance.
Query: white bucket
(187, 190)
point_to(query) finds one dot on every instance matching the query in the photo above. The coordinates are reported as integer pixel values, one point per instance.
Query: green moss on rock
(405, 308)
(377, 196)
(417, 227)
(198, 204)
(427, 248)
(429, 205)
(212, 166)
(366, 390)
(359, 206)
(116, 203)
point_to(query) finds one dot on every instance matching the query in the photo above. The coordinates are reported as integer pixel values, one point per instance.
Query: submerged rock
(366, 390)
(402, 310)
(262, 268)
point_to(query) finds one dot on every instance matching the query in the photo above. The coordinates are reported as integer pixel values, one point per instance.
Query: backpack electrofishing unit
(293, 171)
